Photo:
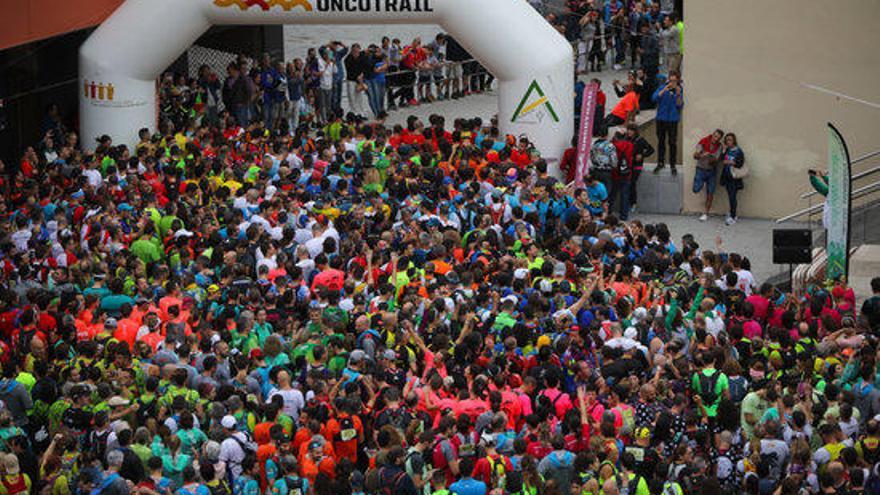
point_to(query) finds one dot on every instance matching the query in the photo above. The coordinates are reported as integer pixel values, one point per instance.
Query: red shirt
(624, 152)
(483, 468)
(520, 158)
(569, 163)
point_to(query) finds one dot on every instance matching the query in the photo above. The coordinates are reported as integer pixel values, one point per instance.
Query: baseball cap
(228, 422)
(389, 354)
(116, 401)
(110, 323)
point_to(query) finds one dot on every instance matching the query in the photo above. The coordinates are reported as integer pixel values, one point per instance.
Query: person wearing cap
(235, 447)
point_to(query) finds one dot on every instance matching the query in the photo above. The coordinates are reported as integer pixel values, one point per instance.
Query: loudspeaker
(792, 246)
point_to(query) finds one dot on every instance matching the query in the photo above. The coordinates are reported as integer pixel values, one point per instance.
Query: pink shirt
(761, 305)
(561, 402)
(751, 329)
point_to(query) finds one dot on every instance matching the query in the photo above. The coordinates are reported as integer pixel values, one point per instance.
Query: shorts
(705, 177)
(453, 70)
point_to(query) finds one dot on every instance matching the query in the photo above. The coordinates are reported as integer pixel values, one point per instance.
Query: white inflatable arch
(122, 59)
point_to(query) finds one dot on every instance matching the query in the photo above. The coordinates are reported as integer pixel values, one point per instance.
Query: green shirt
(721, 384)
(146, 250)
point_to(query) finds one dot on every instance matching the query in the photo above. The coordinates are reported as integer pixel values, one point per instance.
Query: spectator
(707, 154)
(732, 158)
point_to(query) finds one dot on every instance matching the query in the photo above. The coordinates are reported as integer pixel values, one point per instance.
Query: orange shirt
(345, 441)
(126, 331)
(627, 105)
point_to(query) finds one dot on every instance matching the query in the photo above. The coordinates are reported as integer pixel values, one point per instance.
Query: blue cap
(125, 207)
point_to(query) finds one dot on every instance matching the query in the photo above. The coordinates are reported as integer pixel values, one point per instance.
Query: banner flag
(839, 204)
(585, 138)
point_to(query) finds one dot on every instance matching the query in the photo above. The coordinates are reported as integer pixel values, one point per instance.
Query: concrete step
(659, 193)
(864, 265)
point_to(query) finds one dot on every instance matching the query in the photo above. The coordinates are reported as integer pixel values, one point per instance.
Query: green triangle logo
(527, 105)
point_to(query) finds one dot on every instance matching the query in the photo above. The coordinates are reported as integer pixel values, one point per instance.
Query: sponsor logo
(98, 91)
(265, 4)
(101, 94)
(396, 6)
(534, 106)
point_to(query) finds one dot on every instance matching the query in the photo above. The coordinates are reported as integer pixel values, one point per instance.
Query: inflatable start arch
(120, 62)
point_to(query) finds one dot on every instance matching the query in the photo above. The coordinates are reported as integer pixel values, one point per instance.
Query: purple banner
(585, 138)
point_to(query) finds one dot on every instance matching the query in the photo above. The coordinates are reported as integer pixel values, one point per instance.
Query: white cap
(631, 333)
(511, 298)
(520, 273)
(228, 422)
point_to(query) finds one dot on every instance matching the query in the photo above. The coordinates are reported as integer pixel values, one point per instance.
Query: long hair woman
(733, 158)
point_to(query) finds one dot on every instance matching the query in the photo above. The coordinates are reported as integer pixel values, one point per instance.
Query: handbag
(740, 172)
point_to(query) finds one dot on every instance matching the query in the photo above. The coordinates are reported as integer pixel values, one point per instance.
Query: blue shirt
(468, 486)
(597, 194)
(668, 106)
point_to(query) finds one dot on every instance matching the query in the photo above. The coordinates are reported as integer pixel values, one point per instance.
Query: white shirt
(327, 70)
(94, 178)
(745, 281)
(232, 453)
(293, 401)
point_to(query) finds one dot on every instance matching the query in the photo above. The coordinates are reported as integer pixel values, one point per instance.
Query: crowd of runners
(423, 309)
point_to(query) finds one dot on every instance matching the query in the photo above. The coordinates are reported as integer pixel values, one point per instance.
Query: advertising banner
(585, 138)
(839, 204)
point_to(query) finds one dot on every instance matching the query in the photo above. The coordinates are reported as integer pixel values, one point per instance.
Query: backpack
(294, 485)
(871, 456)
(386, 487)
(246, 446)
(347, 431)
(105, 483)
(147, 410)
(497, 472)
(707, 387)
(98, 444)
(629, 420)
(560, 472)
(221, 488)
(437, 457)
(632, 487)
(604, 156)
(467, 448)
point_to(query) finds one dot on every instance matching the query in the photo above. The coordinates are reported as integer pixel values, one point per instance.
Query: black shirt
(355, 66)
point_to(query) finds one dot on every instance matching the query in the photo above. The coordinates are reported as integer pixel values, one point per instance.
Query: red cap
(838, 292)
(256, 353)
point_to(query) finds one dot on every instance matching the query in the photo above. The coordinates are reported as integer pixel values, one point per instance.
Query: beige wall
(744, 65)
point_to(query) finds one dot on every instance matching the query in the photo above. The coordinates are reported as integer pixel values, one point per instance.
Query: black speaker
(792, 246)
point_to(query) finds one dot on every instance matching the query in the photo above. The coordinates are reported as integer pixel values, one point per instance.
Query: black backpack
(347, 431)
(294, 485)
(221, 488)
(707, 387)
(871, 456)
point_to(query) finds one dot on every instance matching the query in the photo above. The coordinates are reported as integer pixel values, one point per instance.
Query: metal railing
(860, 175)
(862, 191)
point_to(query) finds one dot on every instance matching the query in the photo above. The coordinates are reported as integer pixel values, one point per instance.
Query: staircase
(864, 232)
